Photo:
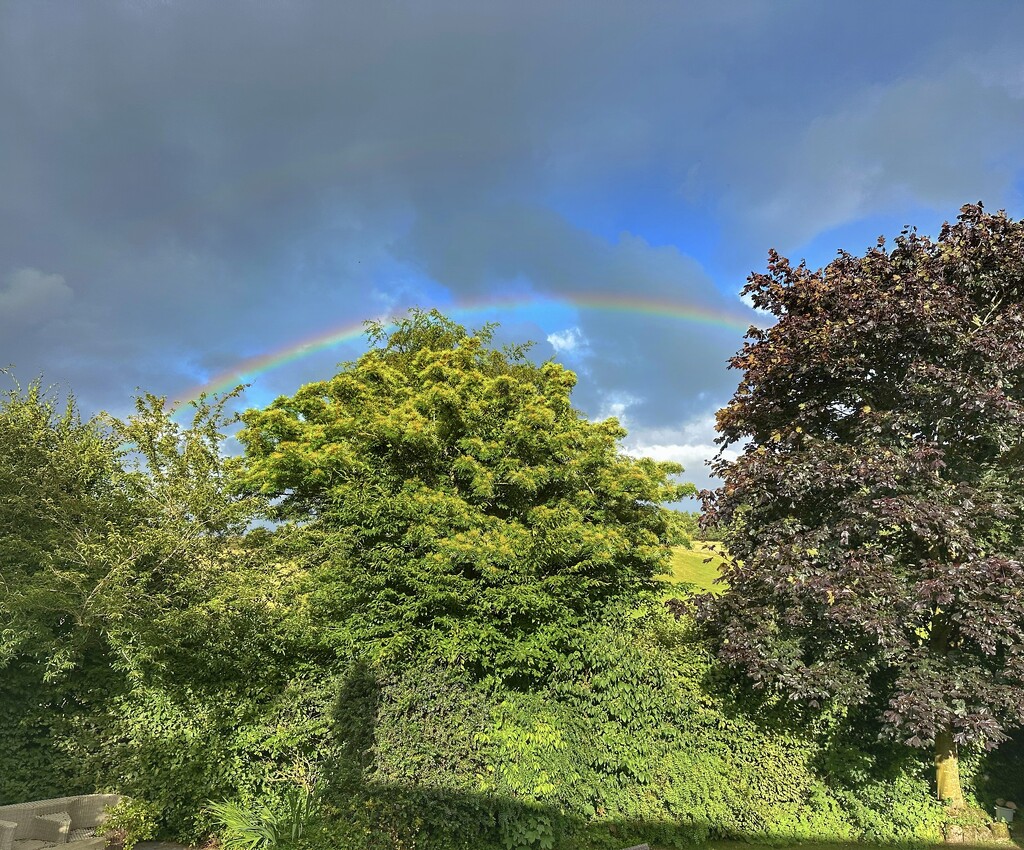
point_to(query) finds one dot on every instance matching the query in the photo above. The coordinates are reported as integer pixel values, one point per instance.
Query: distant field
(688, 566)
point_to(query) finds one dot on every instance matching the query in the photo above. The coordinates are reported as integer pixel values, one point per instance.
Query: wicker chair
(54, 821)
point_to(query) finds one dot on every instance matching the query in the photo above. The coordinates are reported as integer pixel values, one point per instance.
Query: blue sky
(187, 184)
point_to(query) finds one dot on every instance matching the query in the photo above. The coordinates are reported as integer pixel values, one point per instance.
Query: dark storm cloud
(230, 176)
(30, 297)
(186, 183)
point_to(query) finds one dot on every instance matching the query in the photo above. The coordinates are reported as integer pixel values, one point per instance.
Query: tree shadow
(1000, 774)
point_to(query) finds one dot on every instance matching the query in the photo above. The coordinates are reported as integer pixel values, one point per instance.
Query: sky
(197, 194)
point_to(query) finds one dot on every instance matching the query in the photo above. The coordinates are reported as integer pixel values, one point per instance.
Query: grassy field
(688, 566)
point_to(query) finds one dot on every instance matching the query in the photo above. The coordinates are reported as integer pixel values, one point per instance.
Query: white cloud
(616, 405)
(29, 296)
(691, 444)
(569, 340)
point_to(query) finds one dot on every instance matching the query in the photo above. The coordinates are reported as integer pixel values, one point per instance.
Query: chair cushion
(53, 826)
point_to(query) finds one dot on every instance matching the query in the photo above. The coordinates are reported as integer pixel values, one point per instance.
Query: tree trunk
(947, 764)
(947, 770)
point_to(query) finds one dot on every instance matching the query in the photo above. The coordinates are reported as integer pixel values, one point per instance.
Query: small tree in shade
(874, 510)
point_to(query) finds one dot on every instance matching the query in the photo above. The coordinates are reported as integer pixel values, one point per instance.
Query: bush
(628, 741)
(130, 822)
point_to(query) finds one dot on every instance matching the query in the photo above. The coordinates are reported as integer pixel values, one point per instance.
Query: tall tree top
(471, 508)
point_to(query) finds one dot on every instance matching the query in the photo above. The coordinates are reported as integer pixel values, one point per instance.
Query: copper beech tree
(875, 506)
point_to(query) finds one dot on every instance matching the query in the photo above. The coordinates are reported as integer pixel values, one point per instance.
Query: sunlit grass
(688, 566)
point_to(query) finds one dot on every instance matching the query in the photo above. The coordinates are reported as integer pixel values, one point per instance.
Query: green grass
(688, 566)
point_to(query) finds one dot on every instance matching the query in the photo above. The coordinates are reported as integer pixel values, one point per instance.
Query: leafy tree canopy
(57, 496)
(461, 505)
(874, 510)
(107, 526)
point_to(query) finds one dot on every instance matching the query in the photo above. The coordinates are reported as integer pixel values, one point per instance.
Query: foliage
(58, 500)
(454, 614)
(873, 510)
(628, 741)
(141, 611)
(264, 826)
(200, 626)
(301, 803)
(33, 722)
(173, 575)
(131, 821)
(58, 494)
(460, 504)
(682, 528)
(691, 525)
(243, 828)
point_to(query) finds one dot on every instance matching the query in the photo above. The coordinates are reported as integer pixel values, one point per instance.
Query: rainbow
(247, 370)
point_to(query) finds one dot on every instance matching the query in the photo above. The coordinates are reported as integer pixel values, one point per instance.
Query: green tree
(136, 602)
(107, 524)
(57, 501)
(203, 625)
(187, 539)
(458, 503)
(874, 509)
(57, 498)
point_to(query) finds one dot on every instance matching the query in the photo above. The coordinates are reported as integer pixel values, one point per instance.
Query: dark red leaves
(875, 508)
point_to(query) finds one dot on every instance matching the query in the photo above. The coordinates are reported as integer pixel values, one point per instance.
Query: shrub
(130, 822)
(244, 828)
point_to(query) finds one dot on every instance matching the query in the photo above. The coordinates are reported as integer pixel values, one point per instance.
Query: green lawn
(688, 566)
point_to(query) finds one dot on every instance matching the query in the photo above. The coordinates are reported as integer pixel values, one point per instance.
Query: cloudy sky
(189, 187)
